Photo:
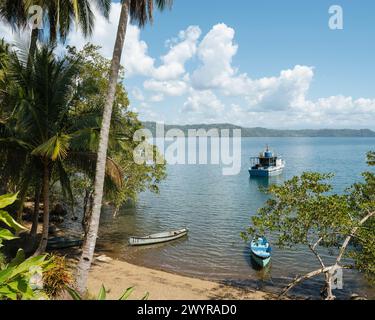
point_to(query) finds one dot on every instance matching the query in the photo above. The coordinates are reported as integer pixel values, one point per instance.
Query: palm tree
(140, 12)
(42, 128)
(45, 94)
(59, 16)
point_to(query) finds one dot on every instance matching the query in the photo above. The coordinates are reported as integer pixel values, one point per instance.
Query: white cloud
(169, 88)
(134, 58)
(205, 104)
(289, 90)
(174, 61)
(216, 52)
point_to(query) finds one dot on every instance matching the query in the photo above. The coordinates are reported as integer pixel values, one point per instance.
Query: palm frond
(104, 7)
(141, 11)
(65, 182)
(86, 163)
(14, 13)
(54, 149)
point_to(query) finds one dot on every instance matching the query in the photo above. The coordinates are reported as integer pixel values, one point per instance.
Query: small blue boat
(261, 251)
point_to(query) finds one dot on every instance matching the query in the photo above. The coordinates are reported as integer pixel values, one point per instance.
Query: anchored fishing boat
(261, 251)
(267, 164)
(158, 238)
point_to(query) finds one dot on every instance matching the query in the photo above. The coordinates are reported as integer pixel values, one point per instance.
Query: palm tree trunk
(43, 242)
(34, 227)
(23, 195)
(33, 43)
(93, 226)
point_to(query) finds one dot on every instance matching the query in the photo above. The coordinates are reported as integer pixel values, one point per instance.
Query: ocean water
(217, 208)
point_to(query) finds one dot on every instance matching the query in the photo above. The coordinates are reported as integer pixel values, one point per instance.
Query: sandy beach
(118, 275)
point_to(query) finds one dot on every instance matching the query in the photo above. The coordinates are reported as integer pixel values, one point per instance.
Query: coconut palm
(58, 16)
(41, 129)
(140, 12)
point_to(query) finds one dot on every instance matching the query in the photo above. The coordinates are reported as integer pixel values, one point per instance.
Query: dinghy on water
(158, 238)
(261, 251)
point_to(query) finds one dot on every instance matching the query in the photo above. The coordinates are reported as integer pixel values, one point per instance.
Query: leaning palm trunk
(93, 224)
(43, 242)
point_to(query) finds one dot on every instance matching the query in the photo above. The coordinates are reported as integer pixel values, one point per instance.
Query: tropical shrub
(102, 294)
(21, 278)
(56, 278)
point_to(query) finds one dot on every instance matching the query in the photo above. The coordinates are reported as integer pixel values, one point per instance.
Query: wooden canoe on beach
(158, 238)
(59, 243)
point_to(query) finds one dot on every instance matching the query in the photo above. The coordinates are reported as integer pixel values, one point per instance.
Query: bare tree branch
(353, 233)
(315, 252)
(300, 279)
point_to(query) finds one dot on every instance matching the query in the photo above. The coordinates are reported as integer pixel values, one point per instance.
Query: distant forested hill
(263, 132)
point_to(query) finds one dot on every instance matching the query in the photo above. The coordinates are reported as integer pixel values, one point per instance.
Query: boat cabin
(266, 159)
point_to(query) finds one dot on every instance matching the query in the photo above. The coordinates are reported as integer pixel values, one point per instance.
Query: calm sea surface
(217, 208)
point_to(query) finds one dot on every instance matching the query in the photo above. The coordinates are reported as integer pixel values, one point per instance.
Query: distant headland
(263, 132)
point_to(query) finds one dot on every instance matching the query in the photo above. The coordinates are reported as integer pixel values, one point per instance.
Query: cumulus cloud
(174, 61)
(215, 52)
(170, 88)
(202, 106)
(203, 102)
(289, 90)
(135, 56)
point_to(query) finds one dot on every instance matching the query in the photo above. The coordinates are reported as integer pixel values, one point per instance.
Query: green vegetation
(63, 117)
(102, 294)
(60, 118)
(93, 70)
(57, 18)
(50, 126)
(304, 211)
(20, 278)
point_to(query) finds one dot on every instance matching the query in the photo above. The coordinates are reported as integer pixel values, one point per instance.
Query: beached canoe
(158, 238)
(261, 251)
(63, 243)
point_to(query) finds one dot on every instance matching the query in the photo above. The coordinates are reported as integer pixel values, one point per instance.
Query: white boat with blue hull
(267, 164)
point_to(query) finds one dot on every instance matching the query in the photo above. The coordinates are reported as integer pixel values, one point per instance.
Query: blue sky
(266, 63)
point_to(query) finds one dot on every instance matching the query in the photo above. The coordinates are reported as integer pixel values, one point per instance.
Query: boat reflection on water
(263, 273)
(265, 183)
